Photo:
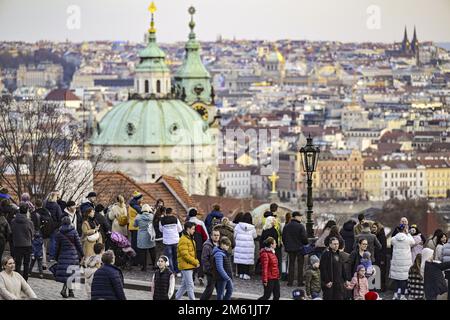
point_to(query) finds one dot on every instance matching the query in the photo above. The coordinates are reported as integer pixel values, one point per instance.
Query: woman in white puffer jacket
(244, 251)
(401, 261)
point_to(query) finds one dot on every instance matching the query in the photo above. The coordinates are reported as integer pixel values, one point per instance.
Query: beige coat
(88, 246)
(113, 214)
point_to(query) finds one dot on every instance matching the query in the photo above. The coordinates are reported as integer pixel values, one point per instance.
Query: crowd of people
(340, 264)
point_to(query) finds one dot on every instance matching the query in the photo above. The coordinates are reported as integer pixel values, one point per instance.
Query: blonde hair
(53, 196)
(121, 199)
(269, 222)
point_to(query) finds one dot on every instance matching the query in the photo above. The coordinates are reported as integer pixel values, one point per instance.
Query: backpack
(151, 231)
(47, 226)
(123, 220)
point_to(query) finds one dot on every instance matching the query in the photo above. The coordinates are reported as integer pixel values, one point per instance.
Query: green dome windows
(131, 129)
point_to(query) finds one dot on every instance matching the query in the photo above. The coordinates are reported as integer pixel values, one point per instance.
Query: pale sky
(340, 20)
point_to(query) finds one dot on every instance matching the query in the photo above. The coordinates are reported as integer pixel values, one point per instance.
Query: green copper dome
(152, 123)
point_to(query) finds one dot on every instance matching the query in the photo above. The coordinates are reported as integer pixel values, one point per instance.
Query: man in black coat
(105, 227)
(294, 238)
(207, 250)
(108, 280)
(332, 272)
(22, 233)
(75, 216)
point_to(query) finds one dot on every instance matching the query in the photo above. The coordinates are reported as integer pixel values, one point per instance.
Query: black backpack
(47, 225)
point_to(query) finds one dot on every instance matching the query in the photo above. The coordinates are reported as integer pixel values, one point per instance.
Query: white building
(236, 180)
(403, 180)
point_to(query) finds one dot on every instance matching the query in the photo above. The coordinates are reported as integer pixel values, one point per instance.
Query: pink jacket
(360, 288)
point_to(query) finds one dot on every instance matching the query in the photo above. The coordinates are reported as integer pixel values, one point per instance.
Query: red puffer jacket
(269, 265)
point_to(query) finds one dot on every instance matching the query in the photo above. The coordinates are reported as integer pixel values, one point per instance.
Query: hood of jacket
(21, 218)
(218, 250)
(65, 228)
(401, 236)
(246, 227)
(348, 226)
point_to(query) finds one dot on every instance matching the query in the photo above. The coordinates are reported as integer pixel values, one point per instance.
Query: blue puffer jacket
(55, 211)
(37, 243)
(209, 218)
(68, 252)
(142, 221)
(108, 284)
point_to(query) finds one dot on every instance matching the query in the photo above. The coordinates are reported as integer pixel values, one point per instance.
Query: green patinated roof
(152, 123)
(152, 57)
(192, 66)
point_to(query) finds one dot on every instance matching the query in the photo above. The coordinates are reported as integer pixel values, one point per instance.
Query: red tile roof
(61, 95)
(229, 206)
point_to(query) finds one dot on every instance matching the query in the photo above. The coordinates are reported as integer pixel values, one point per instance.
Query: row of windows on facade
(403, 175)
(147, 86)
(339, 185)
(406, 193)
(403, 184)
(235, 175)
(236, 183)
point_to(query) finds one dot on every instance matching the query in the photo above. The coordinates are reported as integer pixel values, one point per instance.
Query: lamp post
(310, 157)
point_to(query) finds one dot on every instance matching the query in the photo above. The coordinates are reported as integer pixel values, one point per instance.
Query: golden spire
(273, 178)
(152, 9)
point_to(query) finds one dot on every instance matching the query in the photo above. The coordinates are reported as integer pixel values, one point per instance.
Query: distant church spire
(414, 42)
(405, 42)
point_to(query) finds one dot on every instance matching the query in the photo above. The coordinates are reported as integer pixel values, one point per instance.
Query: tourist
(108, 280)
(372, 240)
(119, 216)
(380, 253)
(401, 261)
(187, 261)
(163, 281)
(12, 285)
(357, 254)
(433, 277)
(222, 271)
(91, 265)
(5, 232)
(359, 283)
(22, 233)
(89, 202)
(91, 234)
(359, 226)
(431, 242)
(171, 227)
(55, 211)
(75, 216)
(270, 273)
(419, 240)
(135, 208)
(415, 280)
(334, 233)
(347, 233)
(68, 255)
(312, 278)
(441, 240)
(319, 245)
(146, 239)
(294, 238)
(207, 251)
(403, 221)
(244, 252)
(37, 244)
(213, 218)
(200, 236)
(160, 211)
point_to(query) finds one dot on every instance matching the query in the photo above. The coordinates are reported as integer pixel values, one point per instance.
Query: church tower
(405, 42)
(152, 74)
(415, 47)
(193, 81)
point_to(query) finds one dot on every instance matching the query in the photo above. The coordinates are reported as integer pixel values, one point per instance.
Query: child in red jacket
(270, 273)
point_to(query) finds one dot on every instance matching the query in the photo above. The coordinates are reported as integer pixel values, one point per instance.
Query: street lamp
(310, 157)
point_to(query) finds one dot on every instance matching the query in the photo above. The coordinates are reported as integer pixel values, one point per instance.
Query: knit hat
(371, 295)
(298, 294)
(401, 227)
(192, 212)
(366, 255)
(148, 208)
(313, 260)
(137, 195)
(91, 194)
(359, 267)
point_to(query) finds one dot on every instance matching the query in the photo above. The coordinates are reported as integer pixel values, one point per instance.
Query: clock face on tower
(202, 110)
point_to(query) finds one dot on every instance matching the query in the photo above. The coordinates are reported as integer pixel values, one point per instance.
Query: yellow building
(438, 178)
(372, 181)
(340, 175)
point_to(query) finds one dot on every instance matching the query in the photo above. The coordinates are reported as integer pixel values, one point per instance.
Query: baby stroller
(122, 250)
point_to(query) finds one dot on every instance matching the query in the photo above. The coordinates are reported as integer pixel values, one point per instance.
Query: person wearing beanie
(75, 216)
(25, 198)
(270, 273)
(359, 283)
(134, 209)
(146, 239)
(372, 295)
(22, 229)
(200, 237)
(312, 278)
(214, 216)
